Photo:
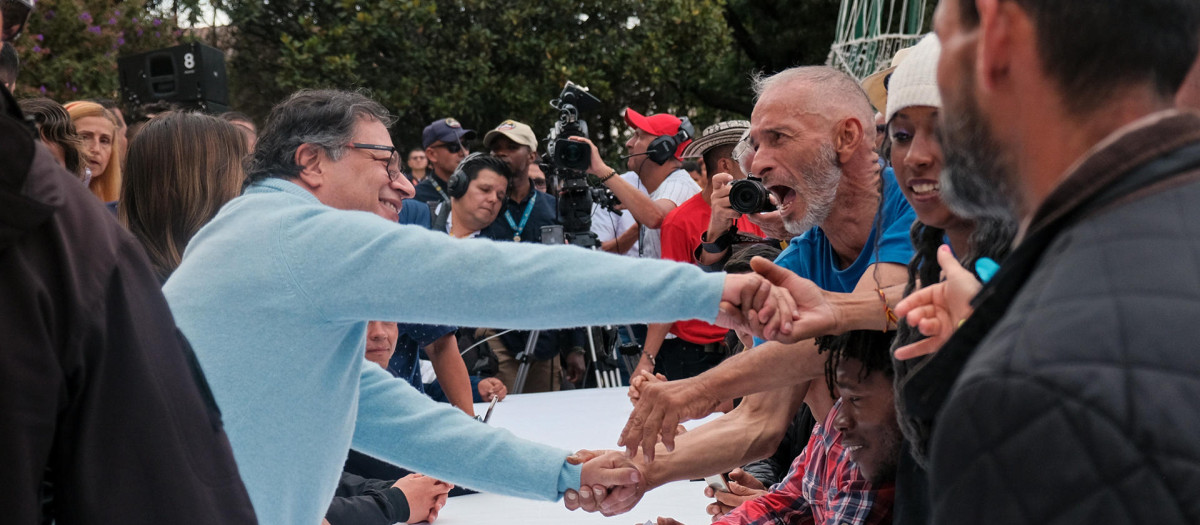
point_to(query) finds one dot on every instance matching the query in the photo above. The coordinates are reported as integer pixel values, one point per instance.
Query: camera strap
(438, 187)
(518, 229)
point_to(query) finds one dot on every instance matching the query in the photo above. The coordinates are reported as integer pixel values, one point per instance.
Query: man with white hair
(814, 137)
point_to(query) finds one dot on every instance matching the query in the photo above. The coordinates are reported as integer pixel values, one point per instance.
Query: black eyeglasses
(393, 163)
(452, 147)
(540, 183)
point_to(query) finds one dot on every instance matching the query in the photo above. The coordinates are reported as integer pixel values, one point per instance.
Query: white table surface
(576, 419)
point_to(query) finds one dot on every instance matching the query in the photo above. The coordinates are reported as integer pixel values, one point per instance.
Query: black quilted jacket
(1073, 393)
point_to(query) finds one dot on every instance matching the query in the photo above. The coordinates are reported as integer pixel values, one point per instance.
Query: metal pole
(526, 359)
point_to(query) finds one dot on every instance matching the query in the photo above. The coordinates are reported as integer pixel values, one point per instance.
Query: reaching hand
(597, 166)
(490, 387)
(937, 310)
(576, 367)
(426, 496)
(662, 407)
(815, 316)
(742, 488)
(642, 377)
(751, 303)
(666, 521)
(609, 483)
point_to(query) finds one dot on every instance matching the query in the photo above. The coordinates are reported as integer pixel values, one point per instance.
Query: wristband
(719, 244)
(610, 175)
(889, 315)
(650, 357)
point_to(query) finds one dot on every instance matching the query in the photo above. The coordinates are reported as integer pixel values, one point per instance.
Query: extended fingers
(931, 326)
(917, 349)
(668, 428)
(583, 456)
(926, 311)
(571, 499)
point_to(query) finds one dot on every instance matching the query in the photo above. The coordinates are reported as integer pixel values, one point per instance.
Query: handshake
(610, 483)
(775, 304)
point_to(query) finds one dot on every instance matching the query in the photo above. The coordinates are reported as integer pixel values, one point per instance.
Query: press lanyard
(524, 218)
(438, 187)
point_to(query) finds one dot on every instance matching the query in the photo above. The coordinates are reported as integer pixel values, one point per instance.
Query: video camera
(569, 161)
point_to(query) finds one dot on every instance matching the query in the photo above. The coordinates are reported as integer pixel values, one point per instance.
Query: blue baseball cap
(446, 130)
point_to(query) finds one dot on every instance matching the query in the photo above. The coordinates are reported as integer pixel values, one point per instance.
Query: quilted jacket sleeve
(1049, 460)
(1081, 404)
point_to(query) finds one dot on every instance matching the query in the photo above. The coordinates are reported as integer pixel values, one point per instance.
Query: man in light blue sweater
(275, 293)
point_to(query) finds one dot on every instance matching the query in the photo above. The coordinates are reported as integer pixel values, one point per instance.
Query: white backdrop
(576, 419)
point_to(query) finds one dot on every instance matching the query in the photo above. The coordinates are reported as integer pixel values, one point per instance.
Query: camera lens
(750, 196)
(573, 155)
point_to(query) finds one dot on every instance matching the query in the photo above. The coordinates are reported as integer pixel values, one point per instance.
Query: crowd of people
(966, 301)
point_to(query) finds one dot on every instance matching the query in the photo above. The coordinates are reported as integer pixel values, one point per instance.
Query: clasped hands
(609, 483)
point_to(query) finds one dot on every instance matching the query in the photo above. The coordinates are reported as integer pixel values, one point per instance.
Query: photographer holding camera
(654, 154)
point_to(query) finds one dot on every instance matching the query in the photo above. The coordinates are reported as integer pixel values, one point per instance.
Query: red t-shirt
(681, 231)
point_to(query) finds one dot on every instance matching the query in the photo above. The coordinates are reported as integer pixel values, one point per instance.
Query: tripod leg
(526, 360)
(600, 382)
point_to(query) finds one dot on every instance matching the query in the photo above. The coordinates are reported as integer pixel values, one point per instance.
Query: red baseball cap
(659, 124)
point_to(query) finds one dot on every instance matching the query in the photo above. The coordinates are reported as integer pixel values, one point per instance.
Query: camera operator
(716, 242)
(654, 154)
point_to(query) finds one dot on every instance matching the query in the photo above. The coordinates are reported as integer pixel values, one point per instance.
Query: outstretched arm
(452, 372)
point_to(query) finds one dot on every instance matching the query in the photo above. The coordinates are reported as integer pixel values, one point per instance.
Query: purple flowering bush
(69, 48)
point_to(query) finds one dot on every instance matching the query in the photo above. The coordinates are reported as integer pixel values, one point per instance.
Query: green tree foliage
(778, 34)
(483, 61)
(69, 48)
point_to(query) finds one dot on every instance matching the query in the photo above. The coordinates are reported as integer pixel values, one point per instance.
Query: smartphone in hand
(718, 482)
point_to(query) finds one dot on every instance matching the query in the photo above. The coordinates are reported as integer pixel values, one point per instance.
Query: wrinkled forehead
(786, 108)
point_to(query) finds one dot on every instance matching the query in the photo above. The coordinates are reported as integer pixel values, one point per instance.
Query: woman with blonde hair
(97, 127)
(182, 168)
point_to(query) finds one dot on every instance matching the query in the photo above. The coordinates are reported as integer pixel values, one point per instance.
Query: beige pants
(544, 376)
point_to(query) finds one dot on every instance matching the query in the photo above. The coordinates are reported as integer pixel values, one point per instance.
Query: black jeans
(679, 359)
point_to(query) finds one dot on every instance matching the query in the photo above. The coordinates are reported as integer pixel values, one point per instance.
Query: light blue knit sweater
(274, 295)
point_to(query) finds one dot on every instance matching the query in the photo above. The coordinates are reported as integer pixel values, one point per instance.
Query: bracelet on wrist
(889, 315)
(719, 244)
(610, 175)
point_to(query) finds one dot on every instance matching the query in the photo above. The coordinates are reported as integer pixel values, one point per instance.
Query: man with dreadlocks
(845, 473)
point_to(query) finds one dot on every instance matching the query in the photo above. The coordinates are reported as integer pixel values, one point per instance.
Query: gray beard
(822, 176)
(978, 179)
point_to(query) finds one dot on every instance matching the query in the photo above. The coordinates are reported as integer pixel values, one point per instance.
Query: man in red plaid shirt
(845, 474)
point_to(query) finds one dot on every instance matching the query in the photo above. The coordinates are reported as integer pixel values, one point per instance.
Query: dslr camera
(749, 195)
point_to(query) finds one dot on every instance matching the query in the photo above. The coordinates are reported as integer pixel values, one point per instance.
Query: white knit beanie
(914, 83)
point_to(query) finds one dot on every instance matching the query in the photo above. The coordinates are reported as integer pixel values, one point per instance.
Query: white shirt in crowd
(678, 187)
(608, 225)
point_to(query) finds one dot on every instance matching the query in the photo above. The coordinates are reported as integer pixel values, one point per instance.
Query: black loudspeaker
(190, 75)
(663, 147)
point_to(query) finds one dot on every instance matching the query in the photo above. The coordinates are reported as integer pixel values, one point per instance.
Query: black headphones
(663, 147)
(457, 186)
